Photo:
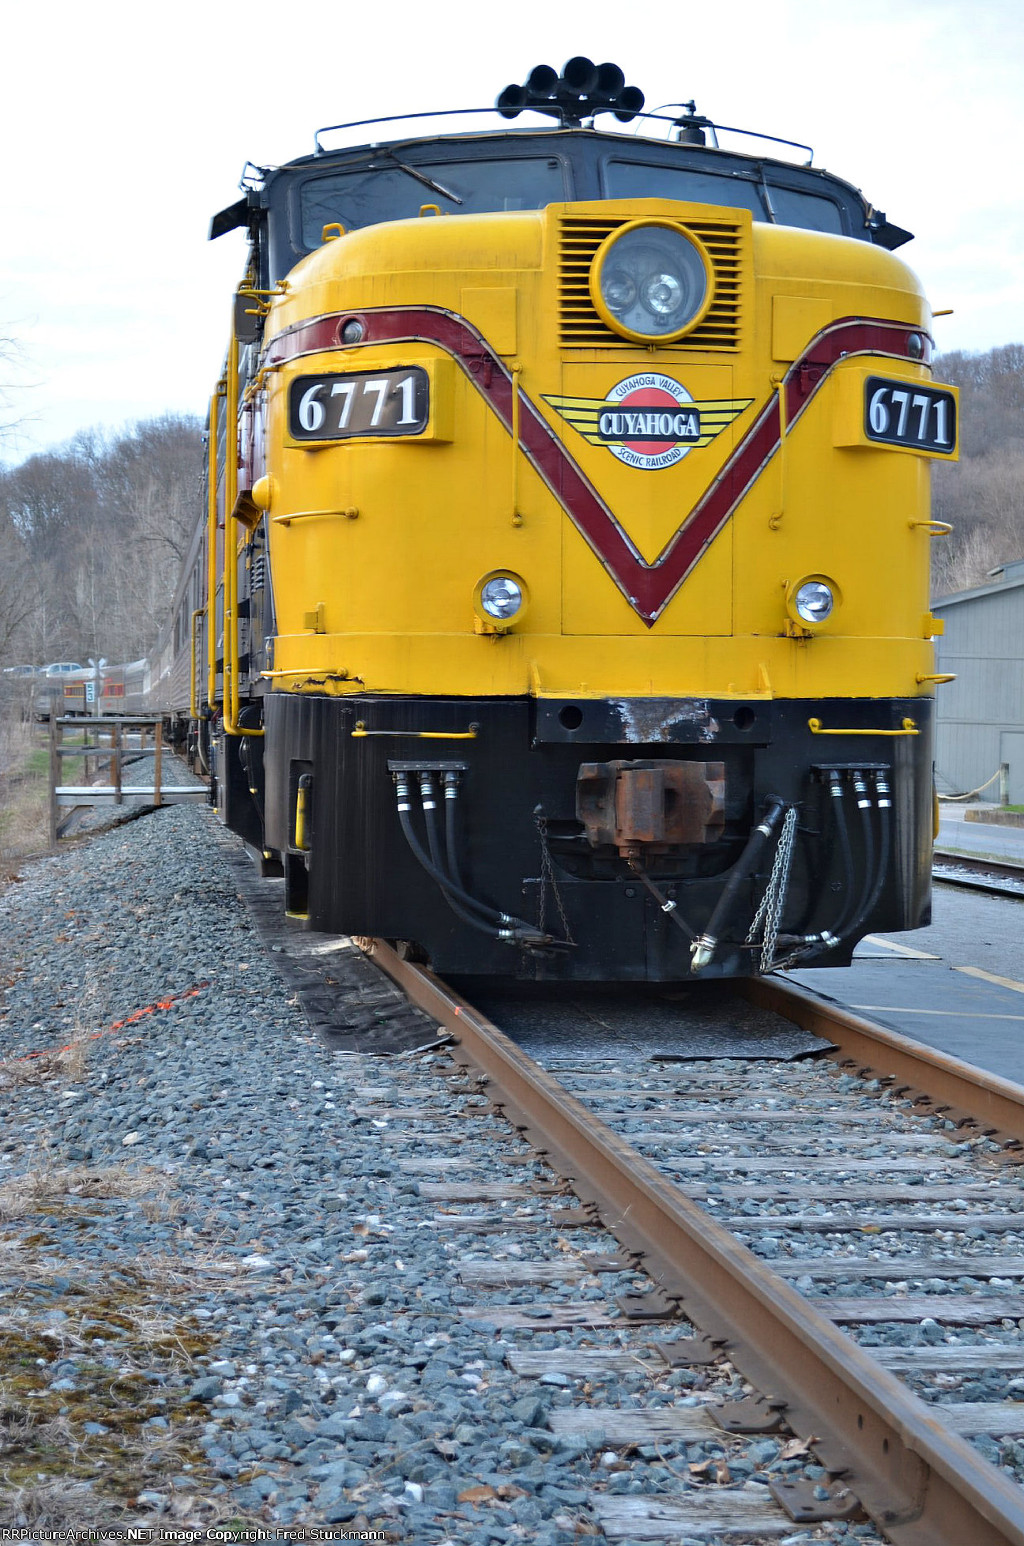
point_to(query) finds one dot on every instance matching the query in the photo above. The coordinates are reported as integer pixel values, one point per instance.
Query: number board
(376, 402)
(902, 413)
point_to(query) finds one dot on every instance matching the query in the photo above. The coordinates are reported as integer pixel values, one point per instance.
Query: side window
(809, 210)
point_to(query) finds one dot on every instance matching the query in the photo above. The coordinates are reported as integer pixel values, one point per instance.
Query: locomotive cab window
(397, 189)
(766, 200)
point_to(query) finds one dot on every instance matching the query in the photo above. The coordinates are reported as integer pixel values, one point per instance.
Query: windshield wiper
(421, 177)
(767, 195)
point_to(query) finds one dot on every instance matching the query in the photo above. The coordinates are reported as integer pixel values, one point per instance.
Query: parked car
(59, 668)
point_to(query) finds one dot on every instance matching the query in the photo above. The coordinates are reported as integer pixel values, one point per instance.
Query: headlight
(501, 597)
(651, 280)
(813, 601)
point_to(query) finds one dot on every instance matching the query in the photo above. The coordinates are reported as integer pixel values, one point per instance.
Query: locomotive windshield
(766, 200)
(526, 169)
(397, 190)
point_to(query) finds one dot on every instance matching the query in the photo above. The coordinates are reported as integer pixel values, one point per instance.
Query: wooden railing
(108, 739)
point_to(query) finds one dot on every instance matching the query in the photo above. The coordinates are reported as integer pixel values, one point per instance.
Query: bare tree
(104, 522)
(982, 496)
(17, 594)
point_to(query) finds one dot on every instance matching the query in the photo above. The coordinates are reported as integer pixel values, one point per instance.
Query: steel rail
(922, 1484)
(978, 875)
(952, 1087)
(993, 866)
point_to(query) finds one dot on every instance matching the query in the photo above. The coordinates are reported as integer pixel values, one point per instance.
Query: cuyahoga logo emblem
(648, 420)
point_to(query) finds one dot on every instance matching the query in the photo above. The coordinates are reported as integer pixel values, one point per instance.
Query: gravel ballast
(228, 1294)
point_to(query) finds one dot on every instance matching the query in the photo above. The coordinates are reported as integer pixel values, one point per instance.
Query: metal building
(980, 716)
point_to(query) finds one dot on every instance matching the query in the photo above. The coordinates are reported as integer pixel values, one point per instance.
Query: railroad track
(988, 875)
(782, 1227)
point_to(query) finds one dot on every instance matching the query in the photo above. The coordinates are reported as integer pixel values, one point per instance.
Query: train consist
(560, 607)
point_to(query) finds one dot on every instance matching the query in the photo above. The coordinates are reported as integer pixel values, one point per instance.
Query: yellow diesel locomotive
(564, 597)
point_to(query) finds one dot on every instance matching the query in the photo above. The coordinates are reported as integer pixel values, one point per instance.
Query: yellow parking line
(1002, 982)
(902, 950)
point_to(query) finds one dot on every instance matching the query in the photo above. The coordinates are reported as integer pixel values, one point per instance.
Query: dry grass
(24, 793)
(50, 1505)
(38, 1189)
(67, 1064)
(75, 1460)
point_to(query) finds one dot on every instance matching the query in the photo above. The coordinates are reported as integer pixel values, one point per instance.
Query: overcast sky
(125, 127)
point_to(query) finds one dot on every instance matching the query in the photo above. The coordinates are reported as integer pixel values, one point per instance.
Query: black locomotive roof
(287, 207)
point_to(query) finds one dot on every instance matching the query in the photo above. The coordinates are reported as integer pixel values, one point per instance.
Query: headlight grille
(580, 327)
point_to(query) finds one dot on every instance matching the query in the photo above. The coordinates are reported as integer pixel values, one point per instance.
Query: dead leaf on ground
(483, 1494)
(714, 1470)
(795, 1449)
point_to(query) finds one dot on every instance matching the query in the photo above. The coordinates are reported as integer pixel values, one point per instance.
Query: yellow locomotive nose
(569, 551)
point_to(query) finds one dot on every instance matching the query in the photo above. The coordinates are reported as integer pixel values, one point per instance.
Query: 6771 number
(378, 402)
(901, 413)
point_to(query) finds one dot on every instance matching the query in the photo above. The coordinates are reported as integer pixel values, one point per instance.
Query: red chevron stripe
(648, 587)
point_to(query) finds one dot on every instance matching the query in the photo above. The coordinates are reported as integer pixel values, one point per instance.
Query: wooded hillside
(982, 496)
(91, 536)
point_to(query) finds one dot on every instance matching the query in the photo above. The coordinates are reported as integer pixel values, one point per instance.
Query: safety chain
(774, 899)
(547, 878)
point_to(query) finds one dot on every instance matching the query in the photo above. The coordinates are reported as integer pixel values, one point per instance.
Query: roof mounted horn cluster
(582, 90)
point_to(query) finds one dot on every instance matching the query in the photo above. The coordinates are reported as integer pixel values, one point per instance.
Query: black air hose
(501, 926)
(702, 949)
(459, 900)
(845, 848)
(874, 879)
(860, 789)
(884, 805)
(451, 795)
(665, 903)
(849, 908)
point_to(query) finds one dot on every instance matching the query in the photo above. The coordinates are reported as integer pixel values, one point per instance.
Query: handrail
(193, 705)
(230, 716)
(517, 370)
(211, 543)
(230, 532)
(360, 732)
(817, 728)
(933, 528)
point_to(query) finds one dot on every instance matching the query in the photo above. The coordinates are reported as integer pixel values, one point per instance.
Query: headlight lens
(651, 281)
(814, 601)
(501, 597)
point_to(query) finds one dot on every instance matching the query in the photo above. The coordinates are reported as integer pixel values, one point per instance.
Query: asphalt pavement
(978, 839)
(957, 985)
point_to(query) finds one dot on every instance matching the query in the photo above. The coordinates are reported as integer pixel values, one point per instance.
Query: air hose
(451, 796)
(461, 902)
(875, 870)
(478, 915)
(702, 950)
